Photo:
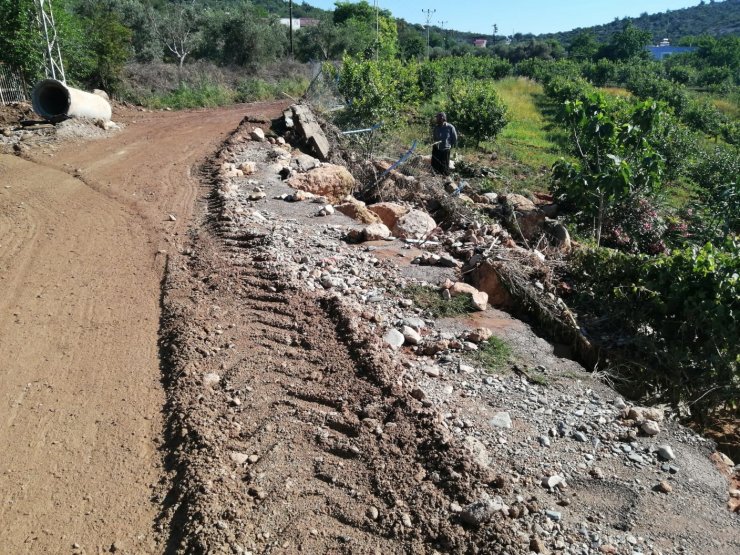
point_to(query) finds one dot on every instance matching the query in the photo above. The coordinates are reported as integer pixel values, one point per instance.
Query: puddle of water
(492, 319)
(391, 250)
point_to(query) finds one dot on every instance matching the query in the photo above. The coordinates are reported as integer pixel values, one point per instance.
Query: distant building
(286, 21)
(664, 49)
(480, 43)
(309, 22)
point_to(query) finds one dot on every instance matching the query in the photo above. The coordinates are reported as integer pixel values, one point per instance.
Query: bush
(616, 168)
(205, 95)
(475, 108)
(681, 314)
(375, 92)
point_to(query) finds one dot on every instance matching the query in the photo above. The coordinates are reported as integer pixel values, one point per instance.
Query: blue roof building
(660, 52)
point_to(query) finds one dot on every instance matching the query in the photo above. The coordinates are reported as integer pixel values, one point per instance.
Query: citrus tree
(476, 110)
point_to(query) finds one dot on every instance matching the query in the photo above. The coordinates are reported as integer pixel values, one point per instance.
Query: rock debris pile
(415, 443)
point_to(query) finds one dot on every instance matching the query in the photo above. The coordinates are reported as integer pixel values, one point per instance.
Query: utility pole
(54, 68)
(429, 13)
(290, 15)
(377, 31)
(442, 26)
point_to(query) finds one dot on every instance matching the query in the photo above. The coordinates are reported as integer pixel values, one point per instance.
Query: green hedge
(681, 313)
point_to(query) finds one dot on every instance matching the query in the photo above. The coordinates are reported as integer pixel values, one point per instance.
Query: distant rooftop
(662, 51)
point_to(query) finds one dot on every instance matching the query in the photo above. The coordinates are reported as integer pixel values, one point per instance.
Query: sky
(522, 16)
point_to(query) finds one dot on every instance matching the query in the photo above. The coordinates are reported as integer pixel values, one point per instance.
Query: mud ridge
(300, 439)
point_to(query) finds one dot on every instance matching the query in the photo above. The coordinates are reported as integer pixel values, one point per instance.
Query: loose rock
(665, 452)
(394, 338)
(480, 512)
(650, 428)
(501, 420)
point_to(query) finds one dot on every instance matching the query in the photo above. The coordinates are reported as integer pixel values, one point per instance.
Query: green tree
(322, 42)
(376, 92)
(179, 29)
(94, 31)
(615, 163)
(21, 46)
(244, 36)
(476, 110)
(139, 16)
(627, 44)
(368, 32)
(411, 43)
(584, 47)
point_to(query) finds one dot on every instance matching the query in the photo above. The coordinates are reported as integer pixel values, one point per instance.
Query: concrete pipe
(55, 101)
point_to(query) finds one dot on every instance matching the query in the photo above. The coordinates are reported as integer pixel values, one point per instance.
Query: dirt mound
(13, 114)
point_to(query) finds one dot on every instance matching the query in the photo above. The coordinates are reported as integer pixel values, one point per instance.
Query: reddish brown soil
(80, 273)
(259, 368)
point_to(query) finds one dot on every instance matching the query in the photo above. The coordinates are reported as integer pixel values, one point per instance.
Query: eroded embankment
(288, 427)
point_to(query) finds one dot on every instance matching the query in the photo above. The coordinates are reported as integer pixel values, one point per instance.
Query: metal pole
(47, 26)
(377, 30)
(442, 25)
(429, 13)
(290, 15)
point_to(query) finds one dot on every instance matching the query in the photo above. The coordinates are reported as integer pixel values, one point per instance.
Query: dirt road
(80, 385)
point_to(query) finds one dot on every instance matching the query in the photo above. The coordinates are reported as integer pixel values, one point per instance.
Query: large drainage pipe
(55, 101)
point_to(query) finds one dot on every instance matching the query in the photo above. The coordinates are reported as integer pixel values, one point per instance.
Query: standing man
(445, 137)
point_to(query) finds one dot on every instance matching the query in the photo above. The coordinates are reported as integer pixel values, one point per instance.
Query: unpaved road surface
(194, 365)
(80, 383)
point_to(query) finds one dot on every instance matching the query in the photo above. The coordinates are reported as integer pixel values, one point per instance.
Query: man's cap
(442, 115)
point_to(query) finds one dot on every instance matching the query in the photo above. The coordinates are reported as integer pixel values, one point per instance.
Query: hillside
(300, 9)
(713, 18)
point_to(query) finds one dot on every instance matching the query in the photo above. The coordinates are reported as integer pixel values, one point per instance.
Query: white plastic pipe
(55, 101)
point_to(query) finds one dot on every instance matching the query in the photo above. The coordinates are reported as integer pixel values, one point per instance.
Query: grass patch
(528, 146)
(617, 91)
(727, 107)
(492, 354)
(539, 379)
(431, 299)
(254, 90)
(528, 137)
(187, 96)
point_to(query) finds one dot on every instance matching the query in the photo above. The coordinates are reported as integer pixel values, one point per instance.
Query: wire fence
(12, 86)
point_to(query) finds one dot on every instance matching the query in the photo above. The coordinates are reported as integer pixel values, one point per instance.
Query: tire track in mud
(289, 431)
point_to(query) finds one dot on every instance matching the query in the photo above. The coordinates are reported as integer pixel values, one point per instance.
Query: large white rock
(330, 181)
(414, 225)
(479, 298)
(394, 338)
(501, 420)
(650, 428)
(411, 335)
(376, 232)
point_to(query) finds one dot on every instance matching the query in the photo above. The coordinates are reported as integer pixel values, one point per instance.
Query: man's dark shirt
(446, 135)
